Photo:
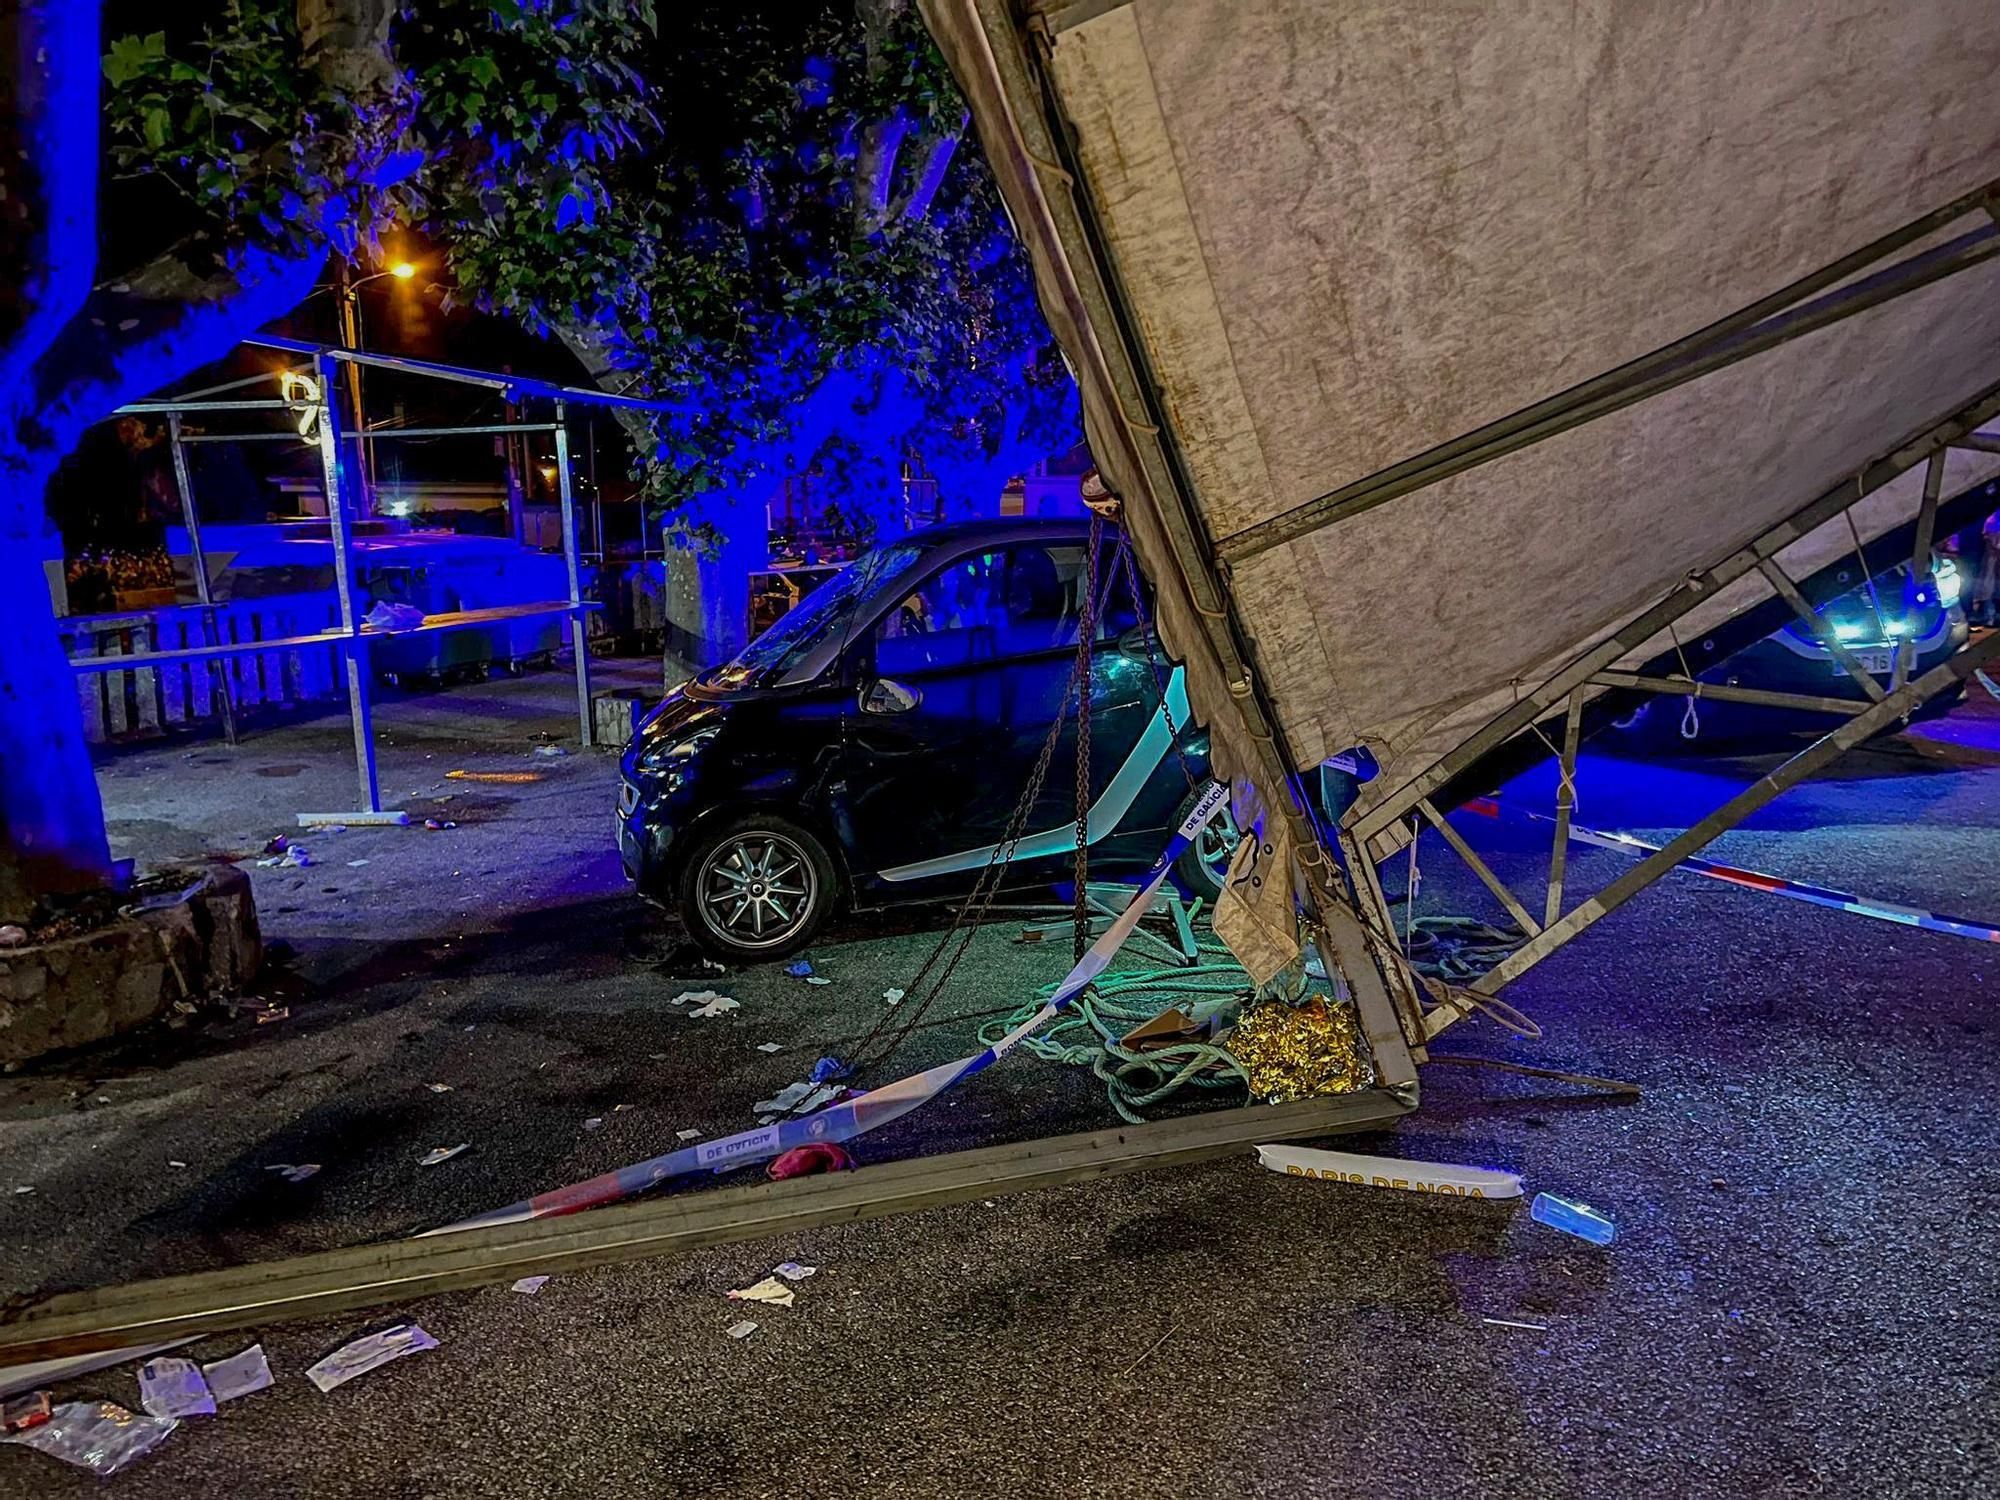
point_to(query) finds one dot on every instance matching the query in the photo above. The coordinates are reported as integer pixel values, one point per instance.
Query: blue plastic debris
(1579, 1219)
(830, 1070)
(800, 970)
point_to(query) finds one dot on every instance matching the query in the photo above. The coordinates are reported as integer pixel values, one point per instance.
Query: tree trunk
(51, 819)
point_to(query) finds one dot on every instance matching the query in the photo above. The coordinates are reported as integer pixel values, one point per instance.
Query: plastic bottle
(1571, 1217)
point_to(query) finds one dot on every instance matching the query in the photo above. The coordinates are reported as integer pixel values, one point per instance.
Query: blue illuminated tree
(241, 151)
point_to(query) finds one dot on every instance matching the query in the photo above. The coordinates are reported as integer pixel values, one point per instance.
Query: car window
(992, 606)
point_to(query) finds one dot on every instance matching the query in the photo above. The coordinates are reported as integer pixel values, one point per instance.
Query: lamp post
(347, 299)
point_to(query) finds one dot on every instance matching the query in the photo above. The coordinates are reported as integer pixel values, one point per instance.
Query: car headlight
(671, 755)
(1949, 582)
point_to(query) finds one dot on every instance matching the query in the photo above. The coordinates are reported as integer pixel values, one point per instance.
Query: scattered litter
(720, 1005)
(393, 614)
(19, 1413)
(1390, 1172)
(527, 1286)
(595, 1122)
(295, 1174)
(100, 1436)
(769, 1047)
(770, 1291)
(1571, 1217)
(795, 1098)
(712, 964)
(1510, 1323)
(694, 997)
(766, 1119)
(164, 900)
(442, 1153)
(178, 1166)
(20, 1192)
(438, 1088)
(550, 752)
(355, 864)
(800, 970)
(989, 1203)
(272, 1013)
(332, 827)
(438, 825)
(278, 843)
(369, 1353)
(239, 1374)
(742, 1330)
(12, 936)
(816, 979)
(174, 1388)
(892, 996)
(791, 1270)
(619, 1109)
(687, 1135)
(809, 1161)
(295, 856)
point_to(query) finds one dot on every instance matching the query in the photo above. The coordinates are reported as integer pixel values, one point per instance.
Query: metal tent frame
(317, 410)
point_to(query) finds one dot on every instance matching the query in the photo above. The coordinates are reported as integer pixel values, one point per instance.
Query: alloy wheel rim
(757, 889)
(1215, 845)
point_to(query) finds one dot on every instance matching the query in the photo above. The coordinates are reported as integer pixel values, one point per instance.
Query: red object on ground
(808, 1161)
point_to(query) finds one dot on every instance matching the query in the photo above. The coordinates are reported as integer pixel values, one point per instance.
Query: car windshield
(829, 609)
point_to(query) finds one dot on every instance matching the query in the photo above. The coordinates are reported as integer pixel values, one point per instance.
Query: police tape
(1755, 880)
(864, 1112)
(1390, 1172)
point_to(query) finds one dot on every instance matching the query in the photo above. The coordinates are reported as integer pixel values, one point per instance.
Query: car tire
(781, 878)
(1204, 865)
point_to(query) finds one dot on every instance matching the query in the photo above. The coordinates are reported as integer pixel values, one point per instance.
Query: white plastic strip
(1390, 1172)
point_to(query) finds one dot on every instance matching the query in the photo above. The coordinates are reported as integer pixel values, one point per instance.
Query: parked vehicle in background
(1870, 622)
(873, 745)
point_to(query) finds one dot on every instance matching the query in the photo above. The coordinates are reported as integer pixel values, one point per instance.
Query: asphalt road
(1799, 1301)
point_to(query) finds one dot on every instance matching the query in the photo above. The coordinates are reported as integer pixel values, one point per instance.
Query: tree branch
(49, 176)
(875, 172)
(916, 204)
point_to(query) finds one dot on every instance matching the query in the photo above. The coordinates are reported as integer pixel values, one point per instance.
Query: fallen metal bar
(1621, 389)
(1696, 589)
(165, 408)
(1480, 868)
(1828, 747)
(1727, 692)
(369, 1276)
(1979, 442)
(243, 437)
(1781, 581)
(1565, 805)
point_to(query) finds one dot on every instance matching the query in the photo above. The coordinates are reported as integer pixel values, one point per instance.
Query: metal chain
(1086, 631)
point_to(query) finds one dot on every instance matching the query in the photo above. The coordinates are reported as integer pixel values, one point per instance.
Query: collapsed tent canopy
(1476, 331)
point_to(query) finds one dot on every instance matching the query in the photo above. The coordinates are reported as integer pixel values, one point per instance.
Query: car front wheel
(757, 888)
(1203, 866)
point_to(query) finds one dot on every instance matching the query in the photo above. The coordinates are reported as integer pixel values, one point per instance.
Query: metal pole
(210, 634)
(584, 728)
(1920, 560)
(1479, 867)
(354, 645)
(348, 300)
(1565, 805)
(1877, 717)
(1780, 580)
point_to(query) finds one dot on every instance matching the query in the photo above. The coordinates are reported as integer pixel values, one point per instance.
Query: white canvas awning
(1336, 240)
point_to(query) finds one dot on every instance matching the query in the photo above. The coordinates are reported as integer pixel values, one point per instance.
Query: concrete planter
(78, 990)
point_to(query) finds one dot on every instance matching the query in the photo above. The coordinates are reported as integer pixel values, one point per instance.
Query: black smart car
(870, 747)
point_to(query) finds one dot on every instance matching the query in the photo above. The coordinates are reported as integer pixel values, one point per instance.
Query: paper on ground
(791, 1270)
(239, 1374)
(742, 1330)
(173, 1387)
(527, 1286)
(720, 1005)
(1390, 1172)
(369, 1353)
(770, 1290)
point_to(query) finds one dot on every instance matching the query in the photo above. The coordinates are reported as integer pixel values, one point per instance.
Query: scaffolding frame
(320, 422)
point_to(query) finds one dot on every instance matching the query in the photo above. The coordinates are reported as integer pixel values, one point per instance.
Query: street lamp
(346, 295)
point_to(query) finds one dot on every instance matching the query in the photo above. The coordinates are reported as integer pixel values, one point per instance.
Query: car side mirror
(887, 696)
